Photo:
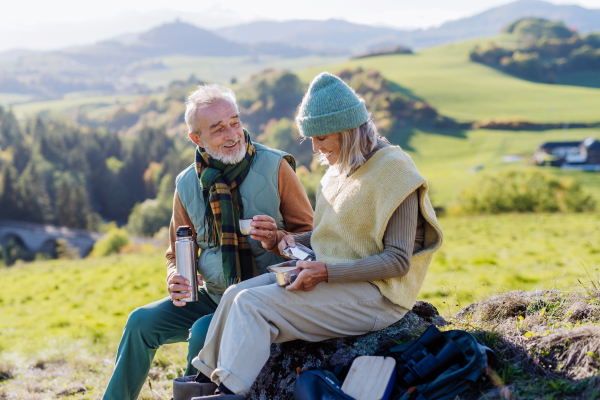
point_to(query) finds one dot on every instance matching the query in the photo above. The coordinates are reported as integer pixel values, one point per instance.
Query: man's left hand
(264, 229)
(311, 274)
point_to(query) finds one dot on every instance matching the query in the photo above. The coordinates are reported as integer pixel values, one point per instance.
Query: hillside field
(467, 91)
(447, 159)
(90, 299)
(67, 315)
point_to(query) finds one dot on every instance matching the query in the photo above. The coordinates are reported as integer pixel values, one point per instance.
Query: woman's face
(328, 145)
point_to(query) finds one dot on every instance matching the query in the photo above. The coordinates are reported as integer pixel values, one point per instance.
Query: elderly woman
(374, 235)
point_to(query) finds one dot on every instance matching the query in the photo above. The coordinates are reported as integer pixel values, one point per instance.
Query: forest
(544, 51)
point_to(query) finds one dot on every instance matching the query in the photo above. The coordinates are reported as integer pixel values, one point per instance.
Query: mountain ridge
(486, 23)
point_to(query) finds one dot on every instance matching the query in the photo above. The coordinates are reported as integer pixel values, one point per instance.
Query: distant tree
(72, 205)
(39, 129)
(593, 39)
(149, 216)
(35, 196)
(283, 135)
(11, 201)
(539, 28)
(10, 133)
(522, 191)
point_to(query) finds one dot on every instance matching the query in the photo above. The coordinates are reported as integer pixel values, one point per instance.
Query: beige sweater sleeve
(180, 217)
(398, 246)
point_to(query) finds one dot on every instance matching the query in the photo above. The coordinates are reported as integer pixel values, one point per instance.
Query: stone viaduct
(42, 238)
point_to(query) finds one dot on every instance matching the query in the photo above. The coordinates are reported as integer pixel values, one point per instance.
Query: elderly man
(231, 178)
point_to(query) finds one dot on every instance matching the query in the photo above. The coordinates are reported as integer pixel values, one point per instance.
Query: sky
(48, 25)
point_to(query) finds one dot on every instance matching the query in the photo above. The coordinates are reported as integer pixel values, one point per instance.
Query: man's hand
(287, 240)
(264, 230)
(179, 288)
(312, 273)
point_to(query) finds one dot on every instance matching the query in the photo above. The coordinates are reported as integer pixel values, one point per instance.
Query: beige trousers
(257, 312)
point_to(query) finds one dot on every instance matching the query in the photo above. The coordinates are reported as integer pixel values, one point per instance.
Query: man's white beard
(226, 158)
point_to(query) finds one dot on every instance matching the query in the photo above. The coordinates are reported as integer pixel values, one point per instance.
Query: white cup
(245, 226)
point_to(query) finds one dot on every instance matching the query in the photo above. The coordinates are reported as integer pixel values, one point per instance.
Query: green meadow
(448, 159)
(85, 303)
(445, 78)
(70, 102)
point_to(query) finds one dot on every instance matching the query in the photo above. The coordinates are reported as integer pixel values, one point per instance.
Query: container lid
(184, 231)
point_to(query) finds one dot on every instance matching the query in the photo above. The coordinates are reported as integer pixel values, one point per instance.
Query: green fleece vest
(260, 196)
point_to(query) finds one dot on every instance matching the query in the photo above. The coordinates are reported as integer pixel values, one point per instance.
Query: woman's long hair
(356, 143)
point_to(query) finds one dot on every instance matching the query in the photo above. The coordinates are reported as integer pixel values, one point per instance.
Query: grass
(447, 160)
(444, 77)
(62, 319)
(76, 299)
(486, 255)
(89, 300)
(63, 106)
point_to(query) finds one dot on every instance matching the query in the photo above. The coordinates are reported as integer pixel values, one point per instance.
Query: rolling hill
(444, 77)
(491, 22)
(112, 66)
(337, 35)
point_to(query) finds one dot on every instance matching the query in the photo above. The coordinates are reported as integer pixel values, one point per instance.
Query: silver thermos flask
(185, 257)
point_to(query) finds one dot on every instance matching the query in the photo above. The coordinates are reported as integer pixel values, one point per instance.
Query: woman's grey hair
(355, 143)
(205, 95)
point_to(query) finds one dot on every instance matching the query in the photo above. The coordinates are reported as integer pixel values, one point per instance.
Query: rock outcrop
(276, 379)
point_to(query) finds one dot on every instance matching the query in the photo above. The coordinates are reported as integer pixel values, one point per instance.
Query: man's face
(221, 133)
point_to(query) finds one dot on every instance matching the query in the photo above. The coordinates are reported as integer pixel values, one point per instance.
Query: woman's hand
(311, 274)
(286, 241)
(264, 230)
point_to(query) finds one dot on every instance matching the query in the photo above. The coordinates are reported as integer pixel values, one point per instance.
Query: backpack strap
(414, 394)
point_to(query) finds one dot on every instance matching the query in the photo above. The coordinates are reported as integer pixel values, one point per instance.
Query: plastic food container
(286, 273)
(300, 253)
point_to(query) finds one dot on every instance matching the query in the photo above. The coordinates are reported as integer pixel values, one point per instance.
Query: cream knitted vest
(352, 213)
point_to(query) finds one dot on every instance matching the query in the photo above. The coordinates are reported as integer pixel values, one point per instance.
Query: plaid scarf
(220, 188)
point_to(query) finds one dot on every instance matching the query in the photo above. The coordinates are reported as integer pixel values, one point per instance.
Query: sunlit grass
(86, 302)
(72, 300)
(444, 77)
(61, 321)
(486, 255)
(447, 161)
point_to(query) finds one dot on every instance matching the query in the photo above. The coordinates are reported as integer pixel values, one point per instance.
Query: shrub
(522, 191)
(111, 242)
(149, 216)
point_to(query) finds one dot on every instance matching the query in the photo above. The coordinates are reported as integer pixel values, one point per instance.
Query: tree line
(545, 50)
(57, 172)
(86, 171)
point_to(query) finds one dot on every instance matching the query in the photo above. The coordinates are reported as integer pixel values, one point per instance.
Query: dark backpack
(320, 384)
(452, 372)
(441, 365)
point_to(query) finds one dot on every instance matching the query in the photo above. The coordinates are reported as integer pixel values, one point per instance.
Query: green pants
(148, 328)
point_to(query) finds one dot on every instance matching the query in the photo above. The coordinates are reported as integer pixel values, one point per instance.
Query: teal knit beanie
(330, 106)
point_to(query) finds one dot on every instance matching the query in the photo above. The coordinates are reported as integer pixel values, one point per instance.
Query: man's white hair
(205, 95)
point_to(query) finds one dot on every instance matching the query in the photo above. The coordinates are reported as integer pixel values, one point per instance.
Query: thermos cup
(185, 258)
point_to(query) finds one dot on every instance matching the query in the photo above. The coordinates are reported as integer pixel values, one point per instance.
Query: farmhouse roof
(591, 144)
(552, 145)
